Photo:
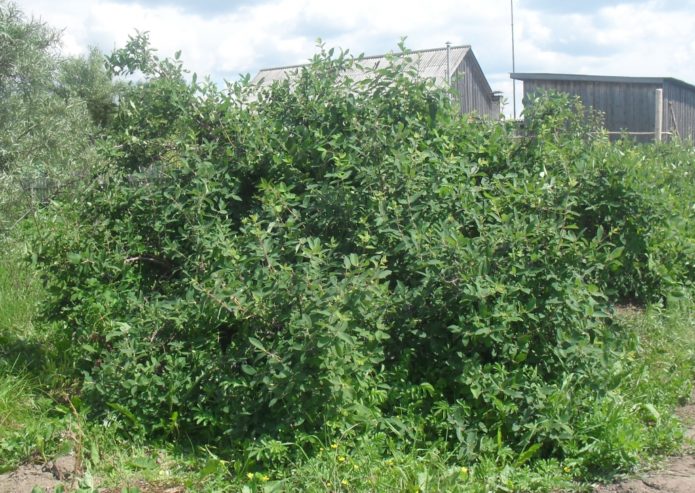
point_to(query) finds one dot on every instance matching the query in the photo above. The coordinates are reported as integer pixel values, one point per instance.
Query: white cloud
(647, 37)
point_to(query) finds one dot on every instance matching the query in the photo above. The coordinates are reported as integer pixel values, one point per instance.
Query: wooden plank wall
(679, 101)
(474, 96)
(625, 106)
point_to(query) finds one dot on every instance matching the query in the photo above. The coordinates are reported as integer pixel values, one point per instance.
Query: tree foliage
(51, 107)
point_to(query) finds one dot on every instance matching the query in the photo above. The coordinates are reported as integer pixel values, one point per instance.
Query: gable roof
(600, 78)
(431, 63)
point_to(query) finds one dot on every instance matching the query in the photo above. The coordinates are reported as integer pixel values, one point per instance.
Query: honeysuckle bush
(638, 197)
(265, 264)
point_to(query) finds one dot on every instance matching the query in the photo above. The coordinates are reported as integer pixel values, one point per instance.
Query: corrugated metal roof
(430, 63)
(599, 78)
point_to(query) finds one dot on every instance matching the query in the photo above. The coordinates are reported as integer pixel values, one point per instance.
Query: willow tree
(52, 107)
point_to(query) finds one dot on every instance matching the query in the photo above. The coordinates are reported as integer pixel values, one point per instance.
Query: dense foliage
(634, 196)
(51, 107)
(329, 254)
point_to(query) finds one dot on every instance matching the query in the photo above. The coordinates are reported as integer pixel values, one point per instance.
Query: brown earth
(60, 472)
(47, 476)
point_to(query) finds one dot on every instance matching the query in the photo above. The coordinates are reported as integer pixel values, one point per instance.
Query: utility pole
(511, 4)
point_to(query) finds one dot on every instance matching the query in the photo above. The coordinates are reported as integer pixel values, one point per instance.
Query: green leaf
(653, 412)
(126, 413)
(74, 258)
(257, 344)
(527, 454)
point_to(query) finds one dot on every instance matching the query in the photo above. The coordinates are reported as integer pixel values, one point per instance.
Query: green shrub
(326, 254)
(633, 196)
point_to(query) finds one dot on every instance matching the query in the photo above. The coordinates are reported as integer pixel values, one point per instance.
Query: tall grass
(19, 293)
(27, 428)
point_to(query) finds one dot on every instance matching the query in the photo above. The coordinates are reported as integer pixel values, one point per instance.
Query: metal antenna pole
(448, 55)
(511, 3)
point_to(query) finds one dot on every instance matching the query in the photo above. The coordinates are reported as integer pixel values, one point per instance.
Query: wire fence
(21, 197)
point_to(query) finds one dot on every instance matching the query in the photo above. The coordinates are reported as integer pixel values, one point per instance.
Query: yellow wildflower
(265, 478)
(344, 482)
(334, 446)
(249, 475)
(341, 458)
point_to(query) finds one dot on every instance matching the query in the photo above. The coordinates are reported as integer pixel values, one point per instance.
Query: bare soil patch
(29, 476)
(146, 487)
(678, 477)
(47, 476)
(60, 472)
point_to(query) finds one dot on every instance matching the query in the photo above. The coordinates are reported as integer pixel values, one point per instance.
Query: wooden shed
(650, 108)
(452, 65)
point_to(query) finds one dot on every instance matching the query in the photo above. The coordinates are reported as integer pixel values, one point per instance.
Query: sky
(226, 38)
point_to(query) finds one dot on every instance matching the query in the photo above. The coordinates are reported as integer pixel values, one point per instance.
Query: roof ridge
(370, 57)
(593, 77)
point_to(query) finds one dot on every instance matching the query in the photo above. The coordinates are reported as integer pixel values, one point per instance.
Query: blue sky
(226, 38)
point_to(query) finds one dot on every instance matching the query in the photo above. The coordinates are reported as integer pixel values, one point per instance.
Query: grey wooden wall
(679, 105)
(474, 93)
(631, 106)
(625, 106)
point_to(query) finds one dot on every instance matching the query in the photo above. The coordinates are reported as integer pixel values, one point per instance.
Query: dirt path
(678, 473)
